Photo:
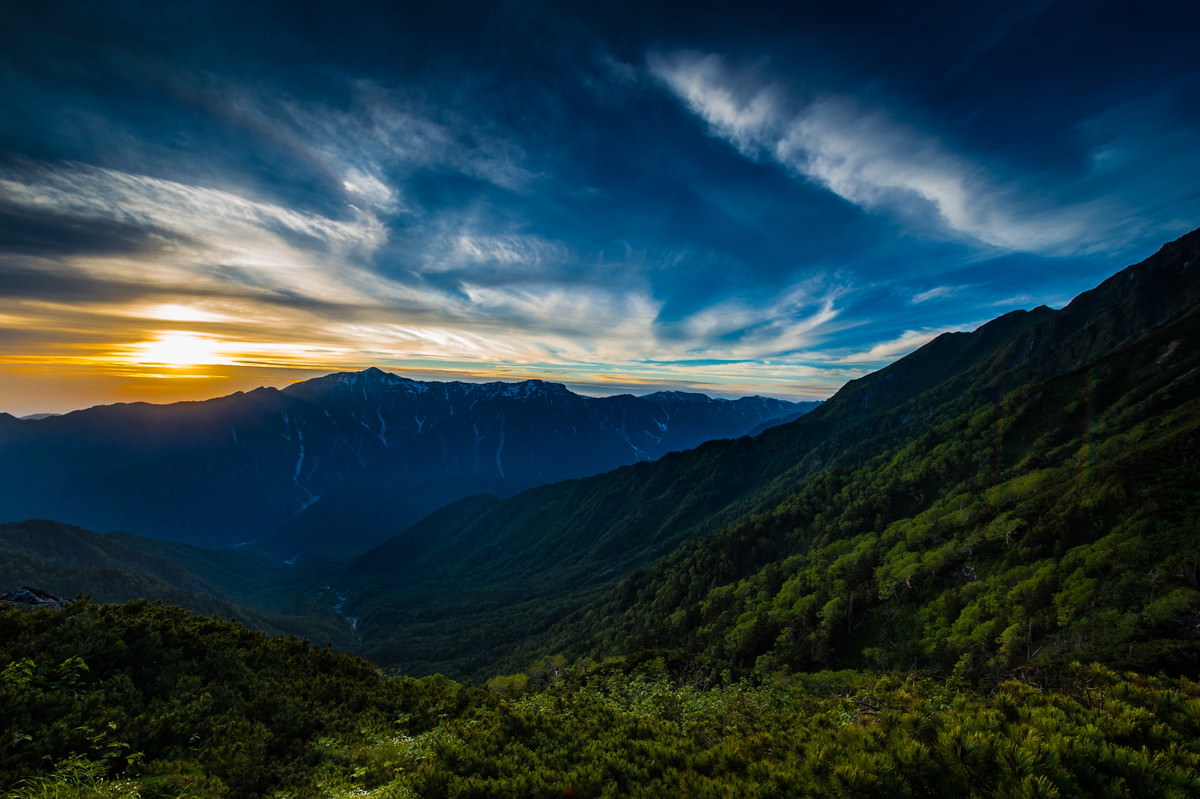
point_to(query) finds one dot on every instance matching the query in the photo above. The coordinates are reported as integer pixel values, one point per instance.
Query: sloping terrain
(1061, 523)
(464, 588)
(700, 553)
(952, 533)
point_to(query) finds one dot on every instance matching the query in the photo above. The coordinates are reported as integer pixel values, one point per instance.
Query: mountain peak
(371, 377)
(525, 389)
(663, 397)
(373, 374)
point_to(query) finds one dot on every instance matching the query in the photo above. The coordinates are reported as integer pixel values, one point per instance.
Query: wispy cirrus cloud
(382, 136)
(242, 286)
(936, 293)
(237, 282)
(869, 157)
(252, 284)
(204, 236)
(799, 319)
(884, 352)
(256, 285)
(364, 147)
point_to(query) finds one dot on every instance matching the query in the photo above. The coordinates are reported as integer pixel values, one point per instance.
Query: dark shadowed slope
(118, 567)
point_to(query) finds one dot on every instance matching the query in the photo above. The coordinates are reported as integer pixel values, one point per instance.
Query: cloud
(46, 233)
(383, 136)
(380, 274)
(872, 159)
(936, 293)
(579, 322)
(268, 285)
(250, 272)
(452, 247)
(506, 249)
(1018, 301)
(209, 236)
(886, 352)
(736, 329)
(370, 189)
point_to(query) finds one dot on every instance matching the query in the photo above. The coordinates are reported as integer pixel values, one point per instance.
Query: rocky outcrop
(31, 597)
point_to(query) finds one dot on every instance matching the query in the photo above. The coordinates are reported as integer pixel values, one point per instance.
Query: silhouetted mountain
(246, 466)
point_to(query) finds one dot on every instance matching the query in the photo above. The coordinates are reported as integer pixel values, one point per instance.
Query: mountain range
(1015, 497)
(343, 460)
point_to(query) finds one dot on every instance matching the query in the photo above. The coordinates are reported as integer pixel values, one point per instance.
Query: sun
(179, 349)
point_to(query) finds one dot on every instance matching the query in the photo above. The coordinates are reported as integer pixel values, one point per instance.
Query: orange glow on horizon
(180, 349)
(80, 360)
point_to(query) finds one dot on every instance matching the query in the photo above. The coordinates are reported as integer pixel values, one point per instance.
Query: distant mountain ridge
(249, 466)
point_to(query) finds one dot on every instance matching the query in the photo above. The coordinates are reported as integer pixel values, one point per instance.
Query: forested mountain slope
(459, 590)
(1060, 523)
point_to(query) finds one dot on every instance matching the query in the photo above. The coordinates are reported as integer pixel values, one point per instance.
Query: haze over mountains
(343, 460)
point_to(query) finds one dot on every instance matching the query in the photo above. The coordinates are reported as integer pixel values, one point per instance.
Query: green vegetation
(617, 735)
(1060, 523)
(889, 597)
(190, 705)
(140, 700)
(991, 453)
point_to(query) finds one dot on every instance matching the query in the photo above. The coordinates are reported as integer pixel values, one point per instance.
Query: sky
(734, 198)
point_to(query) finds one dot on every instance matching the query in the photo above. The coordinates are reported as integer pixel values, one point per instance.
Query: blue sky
(726, 197)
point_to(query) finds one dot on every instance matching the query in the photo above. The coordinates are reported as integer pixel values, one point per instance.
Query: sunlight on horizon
(180, 349)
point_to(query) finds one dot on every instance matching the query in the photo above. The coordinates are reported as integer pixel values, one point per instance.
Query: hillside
(700, 551)
(890, 596)
(1059, 524)
(473, 584)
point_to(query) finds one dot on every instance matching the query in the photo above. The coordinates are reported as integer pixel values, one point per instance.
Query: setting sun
(179, 350)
